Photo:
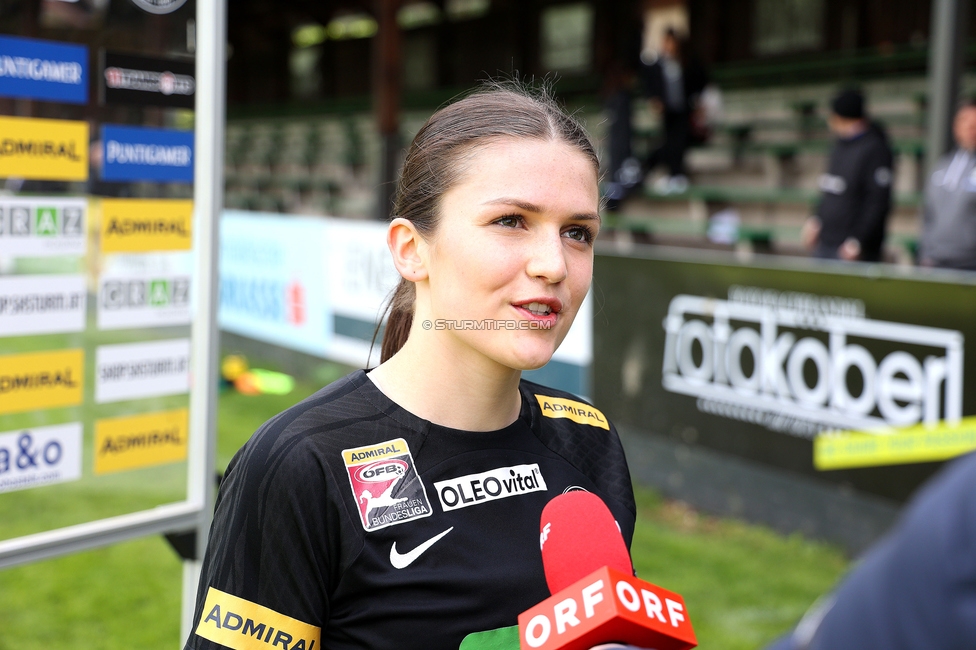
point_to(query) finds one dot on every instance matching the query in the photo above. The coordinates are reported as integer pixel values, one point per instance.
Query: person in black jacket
(852, 214)
(673, 82)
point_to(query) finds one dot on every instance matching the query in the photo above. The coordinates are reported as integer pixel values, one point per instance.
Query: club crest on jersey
(385, 484)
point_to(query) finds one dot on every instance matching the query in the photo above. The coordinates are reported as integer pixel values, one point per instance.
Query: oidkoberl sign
(762, 360)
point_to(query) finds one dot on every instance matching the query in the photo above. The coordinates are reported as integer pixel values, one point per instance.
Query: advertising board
(141, 153)
(768, 362)
(273, 280)
(147, 81)
(43, 149)
(45, 70)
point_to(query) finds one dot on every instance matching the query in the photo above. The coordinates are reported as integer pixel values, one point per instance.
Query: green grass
(743, 585)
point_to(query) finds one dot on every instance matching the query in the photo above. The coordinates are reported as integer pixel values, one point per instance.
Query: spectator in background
(623, 169)
(852, 214)
(673, 81)
(949, 213)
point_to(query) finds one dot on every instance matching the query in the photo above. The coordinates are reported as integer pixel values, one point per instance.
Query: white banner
(144, 291)
(137, 370)
(41, 456)
(42, 304)
(43, 227)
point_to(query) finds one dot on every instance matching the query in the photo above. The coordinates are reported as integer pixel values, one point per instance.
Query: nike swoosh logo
(402, 561)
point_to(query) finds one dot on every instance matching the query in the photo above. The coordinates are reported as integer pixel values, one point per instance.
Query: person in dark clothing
(852, 214)
(916, 588)
(673, 82)
(623, 171)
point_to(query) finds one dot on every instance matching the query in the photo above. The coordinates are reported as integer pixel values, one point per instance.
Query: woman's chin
(530, 359)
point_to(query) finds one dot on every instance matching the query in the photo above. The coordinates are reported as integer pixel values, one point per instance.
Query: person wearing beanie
(851, 216)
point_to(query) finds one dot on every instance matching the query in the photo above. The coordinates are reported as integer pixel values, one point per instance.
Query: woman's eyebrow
(519, 203)
(532, 207)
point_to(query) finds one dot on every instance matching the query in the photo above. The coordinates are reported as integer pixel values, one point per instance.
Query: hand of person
(850, 250)
(810, 232)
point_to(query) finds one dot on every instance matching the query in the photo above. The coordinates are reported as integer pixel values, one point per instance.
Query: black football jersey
(348, 522)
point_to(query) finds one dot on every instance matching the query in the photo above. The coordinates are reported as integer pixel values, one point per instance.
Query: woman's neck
(433, 383)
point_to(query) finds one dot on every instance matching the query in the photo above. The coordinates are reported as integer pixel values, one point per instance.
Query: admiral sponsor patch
(559, 407)
(487, 486)
(242, 625)
(385, 484)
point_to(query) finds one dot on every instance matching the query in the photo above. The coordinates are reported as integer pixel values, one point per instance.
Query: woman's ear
(409, 249)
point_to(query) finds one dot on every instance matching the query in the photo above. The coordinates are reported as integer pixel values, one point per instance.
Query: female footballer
(399, 507)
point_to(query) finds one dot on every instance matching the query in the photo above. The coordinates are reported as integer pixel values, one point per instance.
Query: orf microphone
(596, 598)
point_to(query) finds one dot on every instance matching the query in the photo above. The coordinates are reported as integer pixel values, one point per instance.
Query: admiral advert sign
(137, 370)
(44, 150)
(144, 225)
(137, 153)
(41, 380)
(797, 368)
(385, 484)
(31, 458)
(42, 304)
(45, 70)
(131, 79)
(43, 227)
(137, 441)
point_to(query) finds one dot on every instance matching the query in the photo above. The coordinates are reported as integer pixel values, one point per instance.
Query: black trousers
(677, 132)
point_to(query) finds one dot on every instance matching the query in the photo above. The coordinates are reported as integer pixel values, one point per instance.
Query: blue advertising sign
(138, 153)
(33, 69)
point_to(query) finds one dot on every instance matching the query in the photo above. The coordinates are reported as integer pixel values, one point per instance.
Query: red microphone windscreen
(578, 535)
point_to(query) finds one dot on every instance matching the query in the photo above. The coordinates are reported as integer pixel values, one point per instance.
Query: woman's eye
(511, 221)
(580, 233)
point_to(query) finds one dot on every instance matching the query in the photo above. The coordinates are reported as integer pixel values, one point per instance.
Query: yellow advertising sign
(136, 441)
(242, 625)
(560, 407)
(41, 380)
(143, 225)
(916, 444)
(47, 150)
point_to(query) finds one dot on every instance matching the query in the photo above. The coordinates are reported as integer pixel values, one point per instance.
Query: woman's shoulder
(316, 429)
(583, 436)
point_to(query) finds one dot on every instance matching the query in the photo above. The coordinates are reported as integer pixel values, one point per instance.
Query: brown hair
(435, 162)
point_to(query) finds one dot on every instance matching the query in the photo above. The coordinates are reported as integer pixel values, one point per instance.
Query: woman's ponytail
(399, 320)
